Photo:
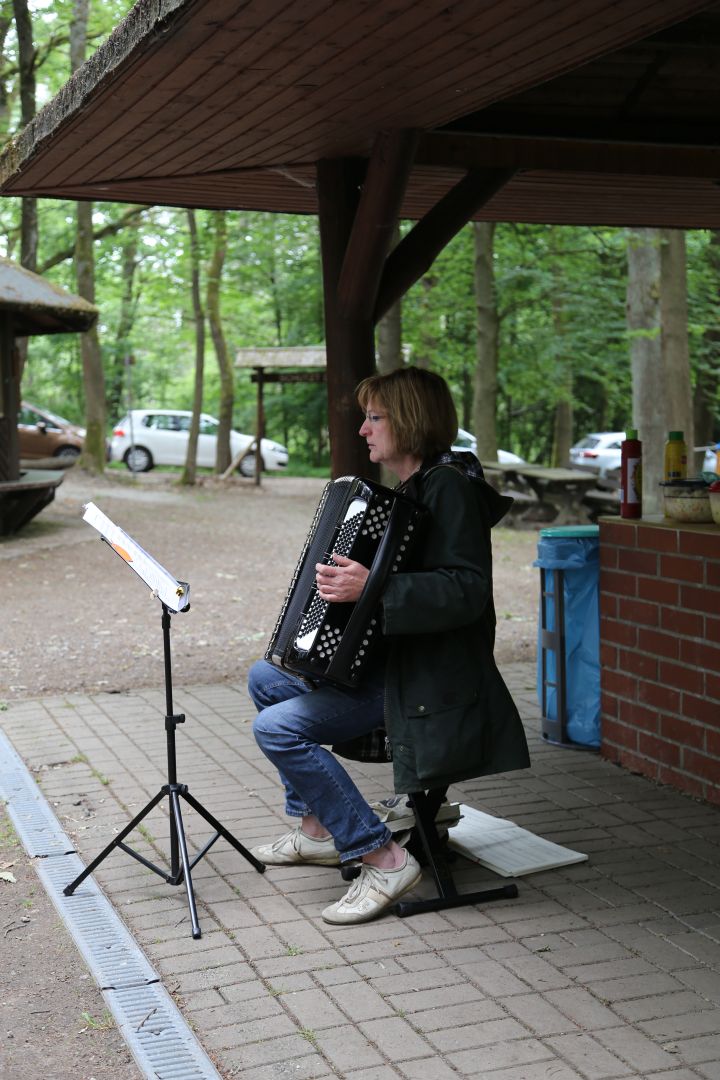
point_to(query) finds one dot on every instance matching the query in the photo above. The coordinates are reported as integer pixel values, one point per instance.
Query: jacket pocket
(448, 741)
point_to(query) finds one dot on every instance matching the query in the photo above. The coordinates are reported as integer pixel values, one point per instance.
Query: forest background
(544, 333)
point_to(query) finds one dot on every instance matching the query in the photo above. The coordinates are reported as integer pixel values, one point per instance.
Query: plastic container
(675, 457)
(687, 500)
(714, 495)
(631, 475)
(568, 671)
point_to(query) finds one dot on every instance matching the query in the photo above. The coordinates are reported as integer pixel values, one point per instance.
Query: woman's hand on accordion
(342, 581)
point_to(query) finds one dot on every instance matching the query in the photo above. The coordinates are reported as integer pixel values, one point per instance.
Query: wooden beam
(416, 252)
(350, 343)
(557, 154)
(377, 214)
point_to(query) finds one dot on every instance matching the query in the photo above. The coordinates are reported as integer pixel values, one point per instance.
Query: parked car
(598, 453)
(464, 440)
(148, 437)
(42, 434)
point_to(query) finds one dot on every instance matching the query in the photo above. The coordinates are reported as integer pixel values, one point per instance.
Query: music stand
(174, 596)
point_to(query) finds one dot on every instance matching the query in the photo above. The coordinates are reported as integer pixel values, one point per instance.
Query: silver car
(598, 453)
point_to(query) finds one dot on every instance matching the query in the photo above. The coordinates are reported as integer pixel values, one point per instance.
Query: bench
(22, 499)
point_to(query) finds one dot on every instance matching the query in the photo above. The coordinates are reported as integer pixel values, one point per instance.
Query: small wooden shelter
(29, 305)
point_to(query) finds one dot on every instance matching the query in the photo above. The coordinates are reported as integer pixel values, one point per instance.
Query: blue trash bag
(579, 560)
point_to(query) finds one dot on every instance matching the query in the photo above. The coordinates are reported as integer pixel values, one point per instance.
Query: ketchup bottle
(631, 475)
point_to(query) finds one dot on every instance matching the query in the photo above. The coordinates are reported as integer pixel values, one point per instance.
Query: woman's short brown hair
(419, 408)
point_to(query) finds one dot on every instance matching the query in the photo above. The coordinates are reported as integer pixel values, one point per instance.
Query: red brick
(699, 708)
(696, 599)
(638, 611)
(703, 543)
(638, 716)
(622, 685)
(681, 569)
(680, 780)
(712, 574)
(683, 732)
(619, 734)
(688, 623)
(712, 685)
(608, 605)
(658, 749)
(663, 698)
(698, 654)
(702, 765)
(638, 663)
(612, 581)
(621, 633)
(608, 656)
(658, 539)
(679, 677)
(652, 641)
(634, 762)
(608, 702)
(712, 743)
(638, 562)
(622, 533)
(657, 590)
(712, 630)
(608, 558)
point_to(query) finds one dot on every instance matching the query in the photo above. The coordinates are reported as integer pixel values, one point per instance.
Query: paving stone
(672, 1004)
(587, 1055)
(453, 1017)
(455, 1038)
(635, 986)
(382, 1072)
(347, 1048)
(313, 1009)
(674, 1026)
(704, 1048)
(709, 1070)
(233, 1034)
(635, 1048)
(493, 979)
(582, 1007)
(359, 1001)
(433, 1068)
(538, 1014)
(500, 1056)
(290, 1049)
(395, 1038)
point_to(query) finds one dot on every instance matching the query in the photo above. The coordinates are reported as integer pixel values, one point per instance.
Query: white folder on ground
(505, 848)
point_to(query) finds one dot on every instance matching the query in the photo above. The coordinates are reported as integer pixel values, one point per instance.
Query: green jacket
(448, 714)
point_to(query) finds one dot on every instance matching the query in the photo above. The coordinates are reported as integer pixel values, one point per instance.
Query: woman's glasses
(374, 417)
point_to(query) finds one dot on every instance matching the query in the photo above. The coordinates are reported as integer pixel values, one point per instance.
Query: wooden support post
(259, 424)
(350, 342)
(416, 252)
(9, 402)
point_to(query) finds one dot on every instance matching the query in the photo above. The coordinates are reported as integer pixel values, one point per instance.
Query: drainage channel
(158, 1036)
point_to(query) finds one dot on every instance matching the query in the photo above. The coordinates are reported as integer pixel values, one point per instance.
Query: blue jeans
(294, 724)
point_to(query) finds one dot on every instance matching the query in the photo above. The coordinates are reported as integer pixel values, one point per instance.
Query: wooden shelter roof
(609, 111)
(40, 307)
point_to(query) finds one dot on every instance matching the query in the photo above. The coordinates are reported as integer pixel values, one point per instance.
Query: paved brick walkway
(609, 968)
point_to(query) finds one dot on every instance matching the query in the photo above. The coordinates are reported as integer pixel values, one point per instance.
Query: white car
(464, 440)
(148, 437)
(598, 453)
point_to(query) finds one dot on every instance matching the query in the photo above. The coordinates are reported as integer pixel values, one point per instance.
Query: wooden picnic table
(22, 499)
(560, 490)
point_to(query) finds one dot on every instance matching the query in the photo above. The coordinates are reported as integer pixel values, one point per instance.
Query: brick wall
(660, 651)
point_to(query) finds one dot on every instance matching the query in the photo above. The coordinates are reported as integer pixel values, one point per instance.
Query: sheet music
(174, 594)
(505, 847)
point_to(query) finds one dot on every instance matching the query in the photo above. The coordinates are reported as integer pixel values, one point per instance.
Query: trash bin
(568, 670)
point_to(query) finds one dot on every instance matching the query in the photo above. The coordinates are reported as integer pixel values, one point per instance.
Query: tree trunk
(28, 209)
(123, 347)
(675, 346)
(563, 425)
(486, 370)
(708, 374)
(93, 456)
(646, 358)
(189, 473)
(227, 383)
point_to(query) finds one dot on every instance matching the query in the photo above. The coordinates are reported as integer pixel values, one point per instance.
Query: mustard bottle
(675, 457)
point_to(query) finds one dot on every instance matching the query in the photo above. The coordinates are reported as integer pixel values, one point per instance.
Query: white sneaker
(296, 847)
(373, 892)
(397, 815)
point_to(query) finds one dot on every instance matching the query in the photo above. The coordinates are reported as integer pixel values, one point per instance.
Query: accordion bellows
(371, 524)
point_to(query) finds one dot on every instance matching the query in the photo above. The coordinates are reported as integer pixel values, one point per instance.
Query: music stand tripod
(164, 587)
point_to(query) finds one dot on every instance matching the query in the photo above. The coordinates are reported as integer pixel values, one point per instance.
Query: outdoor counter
(660, 650)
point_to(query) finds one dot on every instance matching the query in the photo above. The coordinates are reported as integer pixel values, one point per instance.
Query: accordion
(366, 522)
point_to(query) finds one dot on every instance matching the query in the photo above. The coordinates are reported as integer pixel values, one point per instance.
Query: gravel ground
(73, 617)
